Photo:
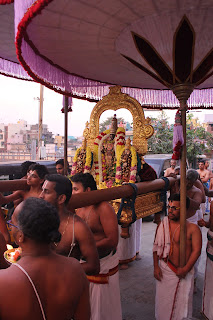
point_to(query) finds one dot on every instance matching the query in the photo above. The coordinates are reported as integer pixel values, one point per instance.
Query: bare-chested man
(101, 218)
(60, 286)
(204, 176)
(174, 288)
(77, 239)
(194, 193)
(207, 305)
(204, 173)
(206, 165)
(35, 179)
(171, 169)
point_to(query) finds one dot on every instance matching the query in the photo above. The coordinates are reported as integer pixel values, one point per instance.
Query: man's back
(61, 284)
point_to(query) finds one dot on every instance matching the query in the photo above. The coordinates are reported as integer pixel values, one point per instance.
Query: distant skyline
(17, 103)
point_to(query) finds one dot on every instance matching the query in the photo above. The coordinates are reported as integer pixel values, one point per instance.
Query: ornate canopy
(81, 47)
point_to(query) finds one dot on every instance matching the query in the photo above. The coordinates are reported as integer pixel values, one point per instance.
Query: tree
(104, 125)
(198, 141)
(161, 141)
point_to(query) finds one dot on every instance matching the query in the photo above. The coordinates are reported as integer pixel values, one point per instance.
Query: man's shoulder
(103, 205)
(192, 227)
(79, 223)
(196, 189)
(168, 170)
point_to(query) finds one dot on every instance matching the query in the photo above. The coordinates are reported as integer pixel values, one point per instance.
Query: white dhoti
(138, 234)
(194, 219)
(207, 305)
(174, 296)
(127, 247)
(105, 298)
(203, 208)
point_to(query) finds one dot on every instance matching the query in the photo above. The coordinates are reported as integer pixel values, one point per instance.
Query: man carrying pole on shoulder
(101, 218)
(174, 285)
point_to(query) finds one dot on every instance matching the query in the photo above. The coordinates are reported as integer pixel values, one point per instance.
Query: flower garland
(87, 166)
(120, 146)
(6, 1)
(96, 153)
(133, 169)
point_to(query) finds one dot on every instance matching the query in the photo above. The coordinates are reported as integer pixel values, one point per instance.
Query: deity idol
(82, 161)
(104, 156)
(126, 165)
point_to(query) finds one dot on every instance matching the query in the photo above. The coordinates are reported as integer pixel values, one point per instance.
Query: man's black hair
(62, 185)
(176, 197)
(86, 179)
(40, 169)
(202, 161)
(60, 161)
(25, 167)
(39, 221)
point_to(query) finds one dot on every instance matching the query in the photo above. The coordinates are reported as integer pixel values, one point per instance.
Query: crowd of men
(69, 266)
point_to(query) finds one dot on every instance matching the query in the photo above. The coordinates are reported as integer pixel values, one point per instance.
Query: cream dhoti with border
(174, 296)
(138, 234)
(207, 306)
(127, 247)
(105, 298)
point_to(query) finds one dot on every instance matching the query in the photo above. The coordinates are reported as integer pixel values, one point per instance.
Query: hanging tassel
(177, 137)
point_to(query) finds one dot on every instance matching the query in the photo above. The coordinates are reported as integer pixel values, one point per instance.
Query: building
(208, 123)
(59, 141)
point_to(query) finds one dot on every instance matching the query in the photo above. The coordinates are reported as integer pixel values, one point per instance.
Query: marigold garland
(87, 166)
(133, 169)
(100, 168)
(95, 153)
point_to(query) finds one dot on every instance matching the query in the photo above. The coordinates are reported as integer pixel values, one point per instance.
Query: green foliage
(104, 124)
(161, 141)
(198, 140)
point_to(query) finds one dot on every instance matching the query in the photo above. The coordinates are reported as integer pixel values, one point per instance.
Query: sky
(18, 101)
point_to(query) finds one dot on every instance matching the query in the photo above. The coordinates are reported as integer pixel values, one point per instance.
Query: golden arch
(142, 130)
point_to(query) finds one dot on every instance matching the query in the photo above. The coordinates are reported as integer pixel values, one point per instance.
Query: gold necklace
(56, 244)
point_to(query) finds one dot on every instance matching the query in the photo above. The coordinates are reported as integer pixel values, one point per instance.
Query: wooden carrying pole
(183, 194)
(94, 197)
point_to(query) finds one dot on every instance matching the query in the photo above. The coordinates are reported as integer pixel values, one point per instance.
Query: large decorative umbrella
(79, 48)
(9, 64)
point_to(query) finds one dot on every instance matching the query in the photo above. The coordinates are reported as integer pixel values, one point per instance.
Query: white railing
(23, 156)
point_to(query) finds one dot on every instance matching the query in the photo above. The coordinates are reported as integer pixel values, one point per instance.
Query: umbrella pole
(182, 92)
(65, 134)
(183, 193)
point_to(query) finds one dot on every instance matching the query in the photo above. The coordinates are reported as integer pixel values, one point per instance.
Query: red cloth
(147, 173)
